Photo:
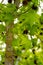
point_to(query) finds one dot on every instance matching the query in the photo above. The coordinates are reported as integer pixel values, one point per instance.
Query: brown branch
(9, 54)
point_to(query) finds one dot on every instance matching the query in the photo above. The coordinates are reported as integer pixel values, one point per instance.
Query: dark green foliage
(34, 7)
(41, 19)
(25, 31)
(41, 28)
(41, 33)
(0, 21)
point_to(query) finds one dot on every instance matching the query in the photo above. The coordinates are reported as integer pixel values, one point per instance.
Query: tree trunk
(9, 54)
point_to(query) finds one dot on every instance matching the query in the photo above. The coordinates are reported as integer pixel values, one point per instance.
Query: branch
(17, 2)
(18, 15)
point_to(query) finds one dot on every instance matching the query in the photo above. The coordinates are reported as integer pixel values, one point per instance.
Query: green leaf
(2, 28)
